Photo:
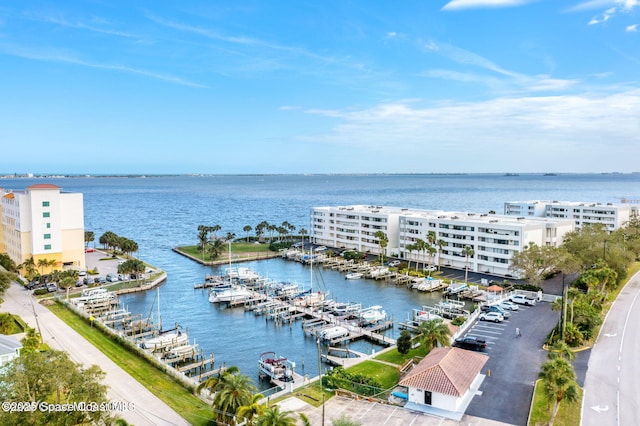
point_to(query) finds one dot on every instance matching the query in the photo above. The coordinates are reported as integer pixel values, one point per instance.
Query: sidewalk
(149, 410)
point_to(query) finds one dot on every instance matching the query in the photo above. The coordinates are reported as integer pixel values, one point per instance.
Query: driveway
(147, 408)
(514, 363)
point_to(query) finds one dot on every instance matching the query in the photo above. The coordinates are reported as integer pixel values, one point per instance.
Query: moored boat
(353, 276)
(334, 333)
(275, 367)
(372, 314)
(233, 294)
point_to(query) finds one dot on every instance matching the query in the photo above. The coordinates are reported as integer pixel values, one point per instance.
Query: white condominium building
(611, 216)
(493, 238)
(44, 223)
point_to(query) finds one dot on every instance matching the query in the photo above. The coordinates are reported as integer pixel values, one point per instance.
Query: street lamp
(320, 375)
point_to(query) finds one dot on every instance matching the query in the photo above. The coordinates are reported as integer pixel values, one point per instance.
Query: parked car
(80, 283)
(394, 263)
(521, 299)
(101, 280)
(431, 268)
(89, 280)
(495, 308)
(471, 343)
(112, 278)
(491, 316)
(52, 287)
(509, 306)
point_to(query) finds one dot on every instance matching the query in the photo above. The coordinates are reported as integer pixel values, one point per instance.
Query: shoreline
(225, 260)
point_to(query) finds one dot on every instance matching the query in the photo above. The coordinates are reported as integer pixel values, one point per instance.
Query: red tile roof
(449, 371)
(43, 186)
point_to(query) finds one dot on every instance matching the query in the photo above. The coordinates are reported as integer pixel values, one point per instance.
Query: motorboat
(334, 333)
(241, 273)
(345, 308)
(455, 288)
(372, 314)
(354, 276)
(234, 294)
(275, 367)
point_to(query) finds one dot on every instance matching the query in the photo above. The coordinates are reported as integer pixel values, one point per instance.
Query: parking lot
(514, 362)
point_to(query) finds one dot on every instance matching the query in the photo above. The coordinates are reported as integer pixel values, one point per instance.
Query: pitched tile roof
(43, 186)
(449, 371)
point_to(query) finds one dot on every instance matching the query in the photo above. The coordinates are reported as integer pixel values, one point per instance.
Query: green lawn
(568, 415)
(386, 375)
(395, 357)
(195, 411)
(238, 251)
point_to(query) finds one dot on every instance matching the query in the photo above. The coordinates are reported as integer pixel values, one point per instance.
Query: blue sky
(431, 86)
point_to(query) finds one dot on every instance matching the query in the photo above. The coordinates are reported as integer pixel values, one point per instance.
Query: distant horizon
(145, 175)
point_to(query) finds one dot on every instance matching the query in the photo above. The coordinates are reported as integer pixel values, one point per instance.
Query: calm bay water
(163, 212)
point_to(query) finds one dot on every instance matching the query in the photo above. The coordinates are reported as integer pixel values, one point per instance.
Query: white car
(491, 316)
(509, 306)
(521, 299)
(394, 263)
(431, 268)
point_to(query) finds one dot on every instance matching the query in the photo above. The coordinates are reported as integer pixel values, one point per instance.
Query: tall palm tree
(440, 243)
(431, 252)
(467, 252)
(559, 383)
(560, 349)
(383, 241)
(410, 248)
(433, 332)
(303, 232)
(421, 245)
(274, 417)
(247, 229)
(29, 266)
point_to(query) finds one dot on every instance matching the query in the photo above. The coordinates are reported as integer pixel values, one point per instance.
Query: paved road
(612, 384)
(148, 409)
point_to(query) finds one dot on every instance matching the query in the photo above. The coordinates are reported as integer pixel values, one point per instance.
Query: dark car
(470, 343)
(495, 308)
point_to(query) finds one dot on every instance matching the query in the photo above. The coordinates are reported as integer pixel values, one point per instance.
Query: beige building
(41, 222)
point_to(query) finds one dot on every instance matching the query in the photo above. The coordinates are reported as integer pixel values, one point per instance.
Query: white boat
(275, 367)
(379, 271)
(233, 294)
(373, 314)
(285, 289)
(456, 288)
(427, 313)
(165, 342)
(334, 333)
(345, 308)
(354, 276)
(241, 273)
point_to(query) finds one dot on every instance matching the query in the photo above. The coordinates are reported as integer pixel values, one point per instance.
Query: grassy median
(190, 407)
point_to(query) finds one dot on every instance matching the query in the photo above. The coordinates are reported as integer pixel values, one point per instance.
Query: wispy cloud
(477, 4)
(632, 28)
(94, 24)
(612, 8)
(62, 56)
(500, 78)
(528, 127)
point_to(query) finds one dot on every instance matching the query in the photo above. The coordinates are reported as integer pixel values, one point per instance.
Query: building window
(45, 204)
(47, 246)
(48, 225)
(47, 236)
(46, 214)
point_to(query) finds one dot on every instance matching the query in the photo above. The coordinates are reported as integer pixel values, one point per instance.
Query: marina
(171, 208)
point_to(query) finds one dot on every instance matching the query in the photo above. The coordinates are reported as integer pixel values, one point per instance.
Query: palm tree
(247, 229)
(421, 245)
(467, 251)
(440, 243)
(230, 236)
(433, 332)
(559, 383)
(249, 412)
(431, 252)
(214, 229)
(303, 232)
(560, 349)
(274, 417)
(235, 391)
(29, 266)
(410, 248)
(89, 236)
(383, 241)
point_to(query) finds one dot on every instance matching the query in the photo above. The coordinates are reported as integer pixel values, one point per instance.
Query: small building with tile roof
(445, 379)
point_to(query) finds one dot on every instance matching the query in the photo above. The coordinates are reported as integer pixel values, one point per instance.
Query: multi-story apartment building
(41, 222)
(611, 216)
(493, 238)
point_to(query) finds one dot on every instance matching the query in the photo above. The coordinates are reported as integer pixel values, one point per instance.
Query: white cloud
(632, 28)
(502, 79)
(614, 7)
(476, 4)
(63, 56)
(527, 127)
